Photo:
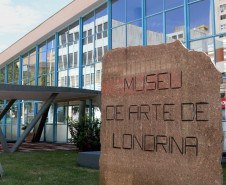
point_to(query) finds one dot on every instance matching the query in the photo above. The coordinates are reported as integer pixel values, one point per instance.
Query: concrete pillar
(82, 108)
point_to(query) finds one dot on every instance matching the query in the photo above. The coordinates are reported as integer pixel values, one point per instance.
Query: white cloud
(17, 18)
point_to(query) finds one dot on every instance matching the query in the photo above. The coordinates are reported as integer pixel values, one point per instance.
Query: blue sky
(18, 17)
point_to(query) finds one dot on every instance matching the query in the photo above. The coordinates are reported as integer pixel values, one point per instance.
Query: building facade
(67, 49)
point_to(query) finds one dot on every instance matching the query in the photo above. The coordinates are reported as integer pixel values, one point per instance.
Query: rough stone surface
(161, 117)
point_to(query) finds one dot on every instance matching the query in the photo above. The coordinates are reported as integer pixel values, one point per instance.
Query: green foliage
(86, 134)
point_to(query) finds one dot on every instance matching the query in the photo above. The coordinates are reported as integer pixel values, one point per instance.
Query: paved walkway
(27, 147)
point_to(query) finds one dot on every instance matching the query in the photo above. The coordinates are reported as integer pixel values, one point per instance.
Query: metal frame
(42, 111)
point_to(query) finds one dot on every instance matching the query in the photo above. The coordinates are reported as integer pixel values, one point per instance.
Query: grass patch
(53, 167)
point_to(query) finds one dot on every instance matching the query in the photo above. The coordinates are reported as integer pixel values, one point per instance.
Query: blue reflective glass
(51, 43)
(118, 12)
(134, 10)
(153, 6)
(175, 25)
(155, 30)
(199, 19)
(88, 21)
(43, 47)
(173, 3)
(102, 11)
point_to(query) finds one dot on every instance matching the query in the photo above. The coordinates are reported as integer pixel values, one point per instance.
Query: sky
(18, 17)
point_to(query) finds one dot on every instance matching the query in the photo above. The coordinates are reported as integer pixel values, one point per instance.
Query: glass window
(99, 35)
(174, 24)
(25, 68)
(63, 37)
(42, 63)
(51, 43)
(99, 54)
(85, 39)
(90, 57)
(3, 75)
(90, 39)
(10, 72)
(62, 62)
(199, 20)
(153, 6)
(73, 77)
(119, 37)
(134, 10)
(118, 12)
(74, 32)
(205, 45)
(16, 71)
(43, 47)
(50, 61)
(134, 34)
(88, 22)
(84, 58)
(33, 52)
(32, 61)
(76, 35)
(70, 60)
(220, 52)
(155, 30)
(172, 4)
(41, 80)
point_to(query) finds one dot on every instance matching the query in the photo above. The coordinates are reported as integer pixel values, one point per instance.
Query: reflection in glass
(153, 6)
(32, 61)
(173, 3)
(51, 43)
(16, 72)
(101, 48)
(118, 12)
(63, 37)
(88, 77)
(88, 23)
(88, 52)
(199, 19)
(205, 45)
(62, 78)
(42, 63)
(101, 16)
(134, 34)
(3, 75)
(175, 25)
(10, 73)
(134, 10)
(154, 30)
(98, 73)
(119, 37)
(50, 61)
(220, 53)
(62, 58)
(73, 80)
(25, 68)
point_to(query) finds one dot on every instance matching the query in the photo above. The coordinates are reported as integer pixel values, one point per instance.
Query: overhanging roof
(42, 93)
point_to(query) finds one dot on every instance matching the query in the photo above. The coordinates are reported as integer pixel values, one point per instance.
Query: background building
(67, 49)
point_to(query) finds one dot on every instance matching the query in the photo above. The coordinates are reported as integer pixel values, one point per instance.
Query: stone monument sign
(161, 118)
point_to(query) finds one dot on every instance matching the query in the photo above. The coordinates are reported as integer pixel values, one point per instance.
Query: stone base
(89, 159)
